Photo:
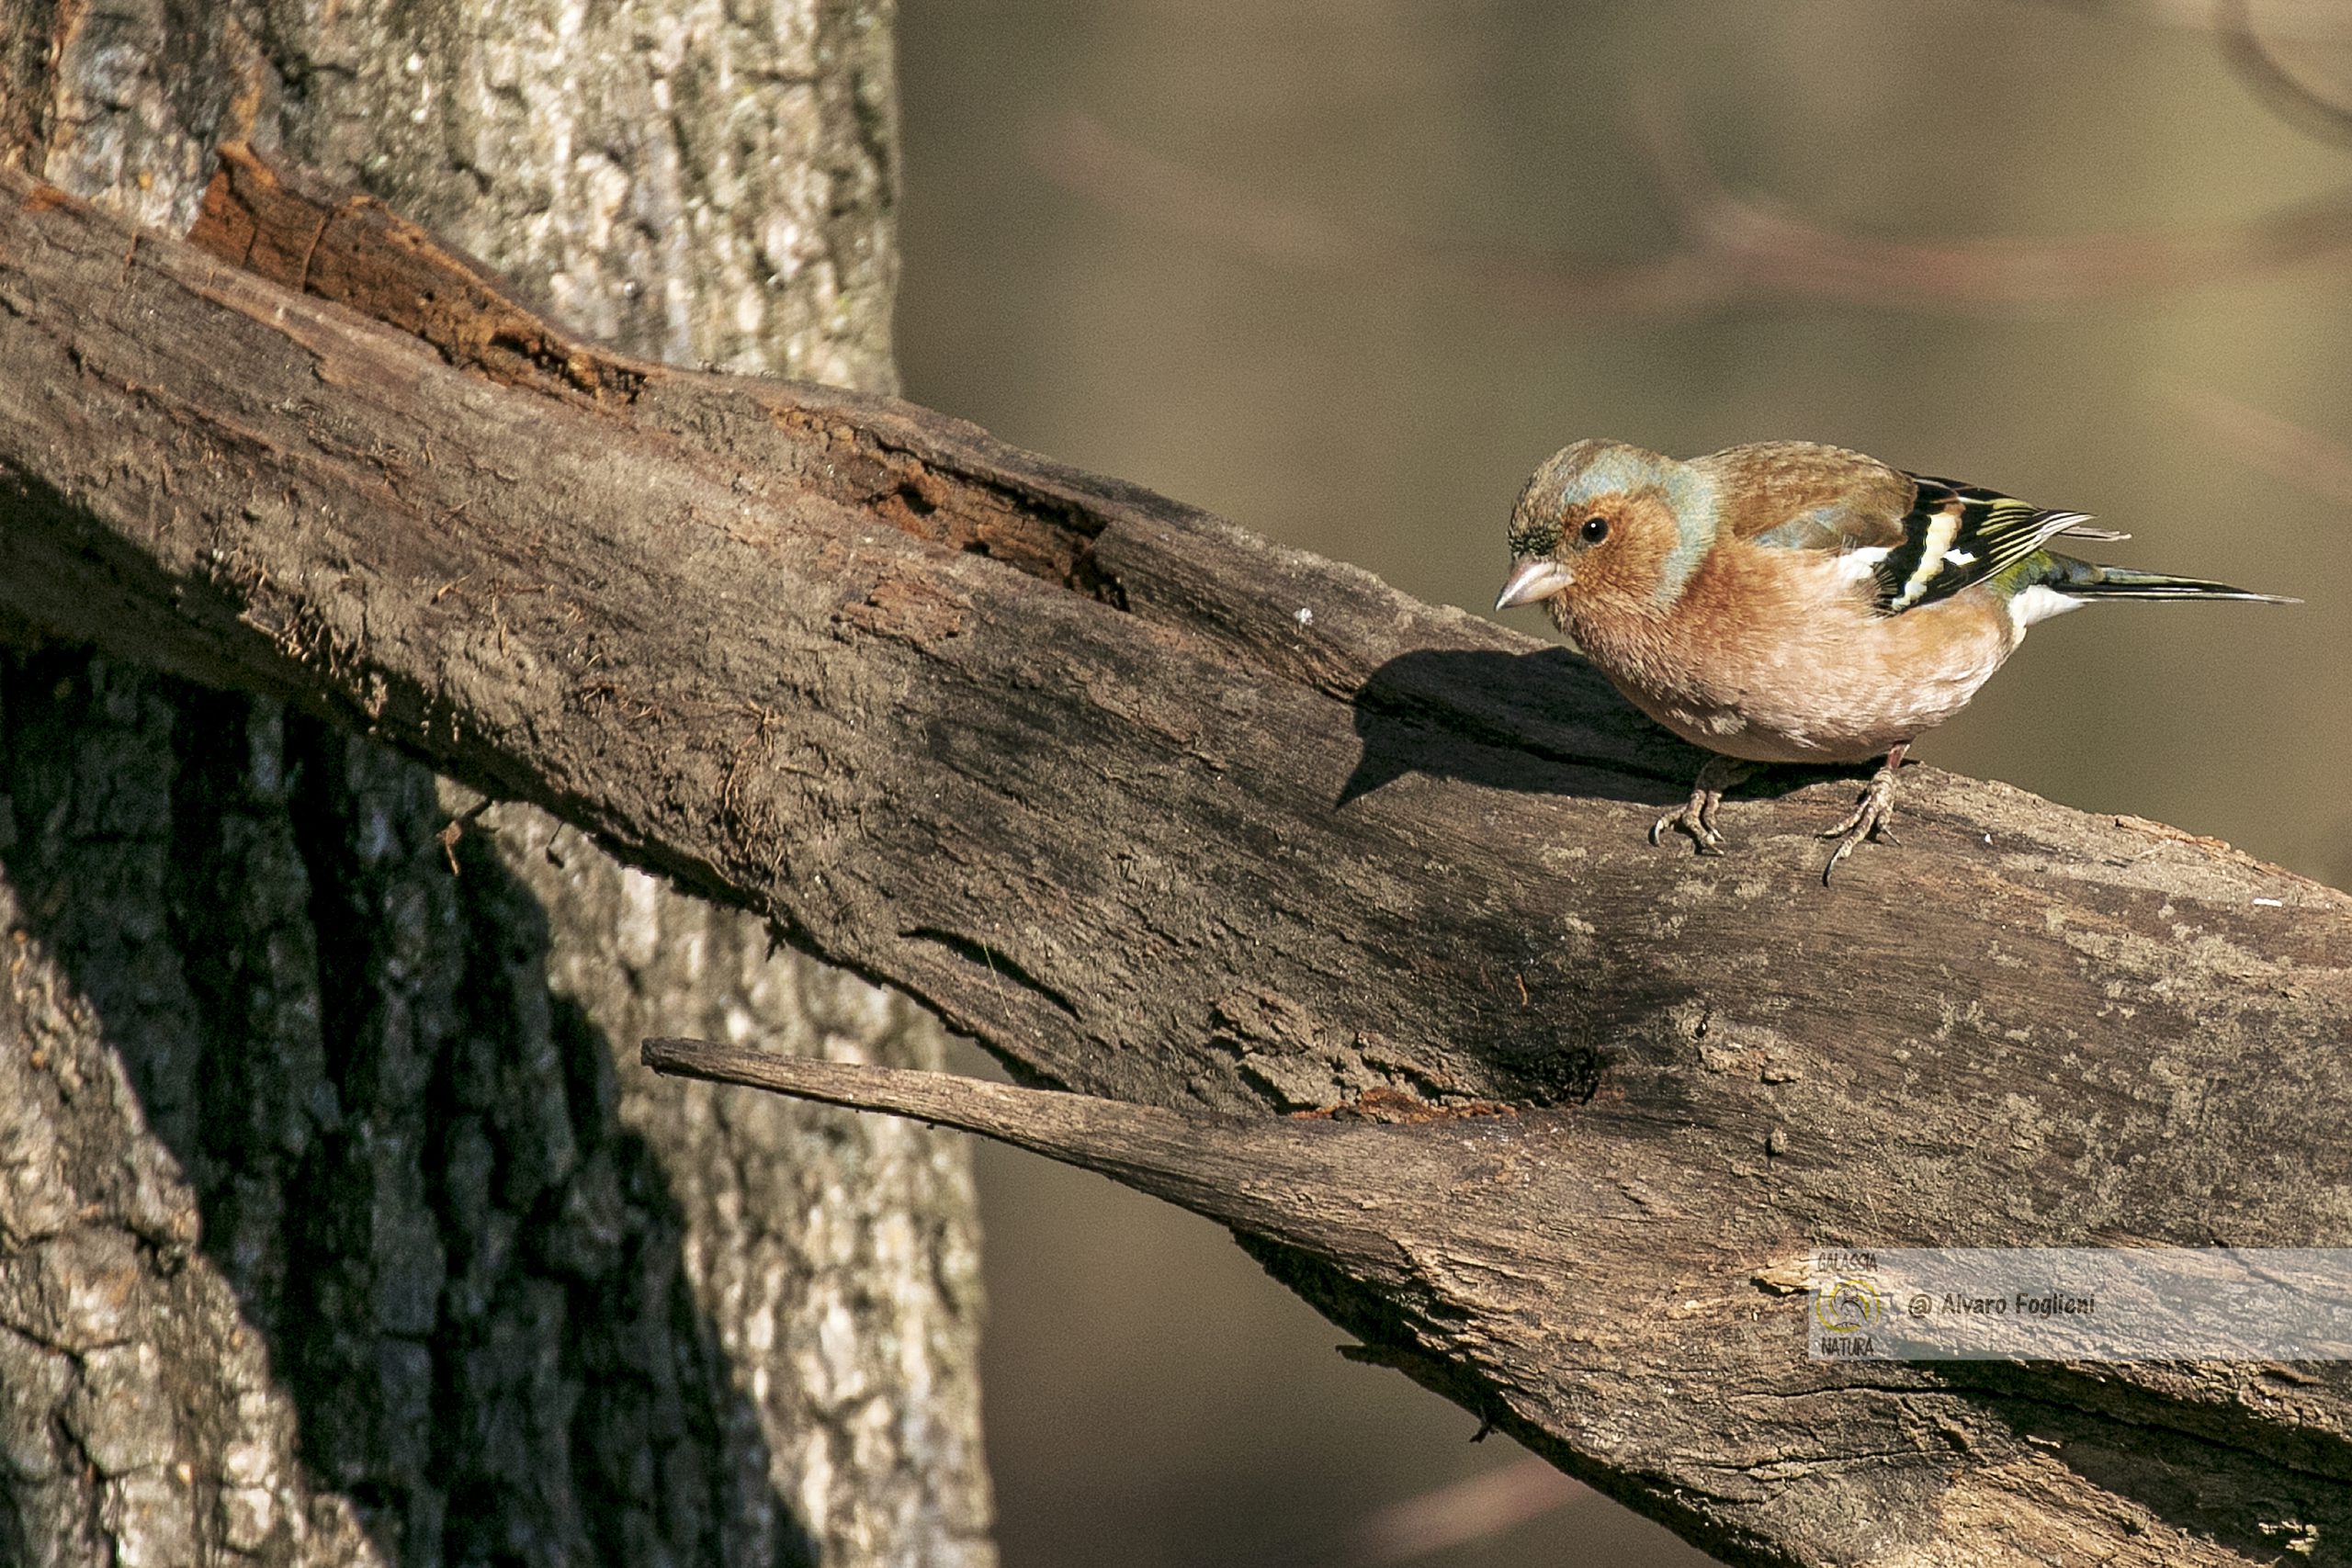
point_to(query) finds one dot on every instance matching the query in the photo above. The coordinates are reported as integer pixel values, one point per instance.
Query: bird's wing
(1798, 495)
(1911, 538)
(1956, 535)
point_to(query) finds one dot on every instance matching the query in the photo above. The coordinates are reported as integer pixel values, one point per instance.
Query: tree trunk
(340, 1223)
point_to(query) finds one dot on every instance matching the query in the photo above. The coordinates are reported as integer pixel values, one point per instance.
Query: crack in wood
(1000, 965)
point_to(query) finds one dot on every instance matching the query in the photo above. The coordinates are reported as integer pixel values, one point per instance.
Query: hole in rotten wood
(1034, 534)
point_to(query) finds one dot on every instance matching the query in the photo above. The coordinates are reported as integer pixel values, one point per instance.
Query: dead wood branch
(1332, 910)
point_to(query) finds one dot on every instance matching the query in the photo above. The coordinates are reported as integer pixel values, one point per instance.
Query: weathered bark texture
(340, 1223)
(1175, 819)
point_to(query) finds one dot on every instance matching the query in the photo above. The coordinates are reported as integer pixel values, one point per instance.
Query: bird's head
(1605, 527)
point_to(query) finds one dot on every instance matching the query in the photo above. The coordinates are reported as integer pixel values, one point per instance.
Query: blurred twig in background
(1471, 1509)
(2289, 94)
(2314, 19)
(1736, 247)
(2276, 446)
(1733, 247)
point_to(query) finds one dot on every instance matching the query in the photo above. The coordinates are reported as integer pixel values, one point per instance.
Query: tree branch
(1332, 909)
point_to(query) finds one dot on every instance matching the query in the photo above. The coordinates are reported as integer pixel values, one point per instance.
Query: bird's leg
(1696, 816)
(1874, 814)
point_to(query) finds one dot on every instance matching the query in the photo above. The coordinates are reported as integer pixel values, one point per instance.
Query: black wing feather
(1957, 535)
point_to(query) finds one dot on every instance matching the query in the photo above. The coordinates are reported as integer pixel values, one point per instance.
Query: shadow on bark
(405, 1148)
(1530, 723)
(1465, 714)
(2214, 1469)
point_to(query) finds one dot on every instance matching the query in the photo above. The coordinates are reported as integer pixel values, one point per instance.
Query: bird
(1790, 602)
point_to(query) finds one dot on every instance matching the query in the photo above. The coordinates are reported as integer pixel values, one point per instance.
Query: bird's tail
(2081, 580)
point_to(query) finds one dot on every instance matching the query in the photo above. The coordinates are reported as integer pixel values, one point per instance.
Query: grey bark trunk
(338, 1221)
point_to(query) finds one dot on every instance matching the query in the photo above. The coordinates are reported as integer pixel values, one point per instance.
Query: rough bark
(342, 1223)
(1229, 834)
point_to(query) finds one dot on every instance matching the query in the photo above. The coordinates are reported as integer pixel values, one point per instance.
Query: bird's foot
(1696, 816)
(1873, 819)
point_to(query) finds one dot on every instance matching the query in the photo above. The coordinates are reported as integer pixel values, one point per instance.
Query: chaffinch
(1791, 602)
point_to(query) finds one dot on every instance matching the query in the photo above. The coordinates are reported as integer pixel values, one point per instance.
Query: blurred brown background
(1311, 265)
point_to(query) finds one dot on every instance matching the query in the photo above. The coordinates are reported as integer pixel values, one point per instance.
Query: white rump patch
(2040, 602)
(1960, 558)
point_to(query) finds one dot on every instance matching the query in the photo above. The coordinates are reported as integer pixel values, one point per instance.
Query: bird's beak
(1533, 582)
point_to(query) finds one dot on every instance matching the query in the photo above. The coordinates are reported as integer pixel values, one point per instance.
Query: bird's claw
(1695, 816)
(1872, 820)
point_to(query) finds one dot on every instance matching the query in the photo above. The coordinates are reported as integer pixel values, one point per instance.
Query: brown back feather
(1770, 484)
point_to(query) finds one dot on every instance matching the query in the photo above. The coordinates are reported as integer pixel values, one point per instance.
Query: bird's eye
(1595, 529)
